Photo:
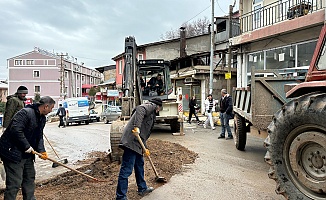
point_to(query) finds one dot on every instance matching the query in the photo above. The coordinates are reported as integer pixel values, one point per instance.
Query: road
(221, 172)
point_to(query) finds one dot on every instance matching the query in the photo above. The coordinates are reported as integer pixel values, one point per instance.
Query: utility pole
(228, 81)
(62, 75)
(212, 51)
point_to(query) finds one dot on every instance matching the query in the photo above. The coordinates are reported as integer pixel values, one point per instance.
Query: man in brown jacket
(141, 122)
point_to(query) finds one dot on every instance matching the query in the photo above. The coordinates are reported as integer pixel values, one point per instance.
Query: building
(49, 74)
(3, 91)
(278, 35)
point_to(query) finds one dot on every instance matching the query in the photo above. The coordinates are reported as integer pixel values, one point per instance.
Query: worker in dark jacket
(141, 123)
(192, 109)
(61, 113)
(226, 108)
(17, 143)
(14, 103)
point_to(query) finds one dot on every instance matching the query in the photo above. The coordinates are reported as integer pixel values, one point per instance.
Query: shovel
(157, 177)
(63, 161)
(88, 176)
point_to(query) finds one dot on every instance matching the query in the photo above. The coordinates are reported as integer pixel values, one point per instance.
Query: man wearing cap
(226, 108)
(141, 122)
(24, 134)
(14, 103)
(209, 107)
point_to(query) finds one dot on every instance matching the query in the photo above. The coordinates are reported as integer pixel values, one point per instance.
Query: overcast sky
(92, 30)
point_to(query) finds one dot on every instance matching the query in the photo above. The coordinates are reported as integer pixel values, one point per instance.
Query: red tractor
(296, 142)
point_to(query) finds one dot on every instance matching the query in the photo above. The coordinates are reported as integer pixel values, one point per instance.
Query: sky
(92, 31)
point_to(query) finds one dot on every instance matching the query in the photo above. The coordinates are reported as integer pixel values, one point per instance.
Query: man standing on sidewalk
(141, 122)
(226, 108)
(61, 113)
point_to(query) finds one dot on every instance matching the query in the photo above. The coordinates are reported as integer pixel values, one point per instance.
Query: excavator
(142, 81)
(296, 142)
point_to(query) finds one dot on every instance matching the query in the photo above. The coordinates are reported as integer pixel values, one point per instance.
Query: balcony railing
(277, 12)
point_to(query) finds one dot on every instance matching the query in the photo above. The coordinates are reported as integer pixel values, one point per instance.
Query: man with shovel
(22, 136)
(141, 122)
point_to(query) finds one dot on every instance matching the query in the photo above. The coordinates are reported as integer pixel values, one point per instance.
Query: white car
(94, 116)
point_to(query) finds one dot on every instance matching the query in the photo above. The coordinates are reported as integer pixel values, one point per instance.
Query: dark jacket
(24, 130)
(192, 104)
(143, 117)
(61, 111)
(226, 104)
(13, 105)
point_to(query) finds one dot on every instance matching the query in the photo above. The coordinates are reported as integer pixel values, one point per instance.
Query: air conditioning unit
(191, 81)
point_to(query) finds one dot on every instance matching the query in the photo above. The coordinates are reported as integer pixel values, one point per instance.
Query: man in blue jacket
(17, 143)
(226, 108)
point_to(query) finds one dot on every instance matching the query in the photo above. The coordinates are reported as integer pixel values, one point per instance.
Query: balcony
(277, 12)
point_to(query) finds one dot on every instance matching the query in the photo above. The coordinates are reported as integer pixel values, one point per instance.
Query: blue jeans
(224, 117)
(20, 175)
(130, 160)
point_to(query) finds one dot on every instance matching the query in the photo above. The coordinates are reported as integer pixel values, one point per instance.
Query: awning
(87, 86)
(111, 81)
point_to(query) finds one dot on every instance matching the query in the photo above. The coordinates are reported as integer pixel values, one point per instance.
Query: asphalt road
(221, 172)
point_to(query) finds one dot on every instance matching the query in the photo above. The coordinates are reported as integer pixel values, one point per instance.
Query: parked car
(110, 114)
(94, 116)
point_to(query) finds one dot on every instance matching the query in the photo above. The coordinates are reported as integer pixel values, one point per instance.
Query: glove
(29, 150)
(135, 131)
(147, 153)
(44, 156)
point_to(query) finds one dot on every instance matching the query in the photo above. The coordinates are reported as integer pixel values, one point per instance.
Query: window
(140, 57)
(83, 78)
(18, 62)
(66, 89)
(78, 90)
(91, 80)
(29, 62)
(305, 52)
(66, 74)
(77, 77)
(37, 89)
(36, 73)
(120, 67)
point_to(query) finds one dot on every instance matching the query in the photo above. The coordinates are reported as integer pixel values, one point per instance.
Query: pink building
(49, 74)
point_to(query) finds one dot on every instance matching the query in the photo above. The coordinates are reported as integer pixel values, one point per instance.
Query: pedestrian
(226, 108)
(192, 109)
(14, 103)
(141, 122)
(17, 144)
(62, 114)
(209, 107)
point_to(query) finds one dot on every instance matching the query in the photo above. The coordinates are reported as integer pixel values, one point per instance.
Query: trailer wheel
(296, 148)
(175, 126)
(240, 134)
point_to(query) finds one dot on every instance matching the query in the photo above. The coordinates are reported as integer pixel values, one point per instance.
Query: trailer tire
(296, 148)
(175, 126)
(240, 133)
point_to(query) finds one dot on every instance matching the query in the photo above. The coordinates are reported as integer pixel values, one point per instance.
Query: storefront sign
(112, 93)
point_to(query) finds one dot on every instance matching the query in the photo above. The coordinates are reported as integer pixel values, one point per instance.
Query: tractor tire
(296, 148)
(240, 133)
(175, 126)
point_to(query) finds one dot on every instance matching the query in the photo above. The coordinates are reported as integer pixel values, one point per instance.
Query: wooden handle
(51, 146)
(144, 149)
(39, 154)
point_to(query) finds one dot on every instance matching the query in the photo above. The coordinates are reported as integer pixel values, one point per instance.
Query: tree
(37, 97)
(196, 27)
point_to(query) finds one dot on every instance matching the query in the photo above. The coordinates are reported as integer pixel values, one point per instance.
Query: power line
(197, 14)
(220, 7)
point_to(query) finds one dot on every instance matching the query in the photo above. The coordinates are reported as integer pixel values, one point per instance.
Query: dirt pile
(169, 159)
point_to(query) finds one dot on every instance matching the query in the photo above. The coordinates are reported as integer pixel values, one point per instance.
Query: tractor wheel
(240, 133)
(175, 126)
(296, 148)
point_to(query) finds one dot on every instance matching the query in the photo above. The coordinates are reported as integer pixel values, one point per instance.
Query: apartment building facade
(278, 35)
(49, 74)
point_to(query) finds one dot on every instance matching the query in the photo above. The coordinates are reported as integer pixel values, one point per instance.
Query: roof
(108, 82)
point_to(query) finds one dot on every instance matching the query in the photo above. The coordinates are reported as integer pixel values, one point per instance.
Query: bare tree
(194, 28)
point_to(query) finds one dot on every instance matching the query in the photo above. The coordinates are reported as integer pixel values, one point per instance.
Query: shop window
(305, 52)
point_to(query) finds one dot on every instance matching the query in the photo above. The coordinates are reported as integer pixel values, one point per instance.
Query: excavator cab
(154, 78)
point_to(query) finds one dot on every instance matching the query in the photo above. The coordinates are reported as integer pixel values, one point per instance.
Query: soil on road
(169, 159)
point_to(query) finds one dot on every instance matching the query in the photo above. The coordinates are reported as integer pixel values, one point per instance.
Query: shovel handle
(149, 158)
(51, 146)
(63, 165)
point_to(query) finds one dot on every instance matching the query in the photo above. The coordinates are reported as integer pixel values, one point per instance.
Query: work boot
(229, 138)
(147, 191)
(220, 137)
(204, 125)
(213, 128)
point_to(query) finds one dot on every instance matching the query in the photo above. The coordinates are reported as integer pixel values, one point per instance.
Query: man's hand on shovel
(136, 133)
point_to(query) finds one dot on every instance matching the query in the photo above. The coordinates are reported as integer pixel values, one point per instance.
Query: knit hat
(157, 101)
(22, 90)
